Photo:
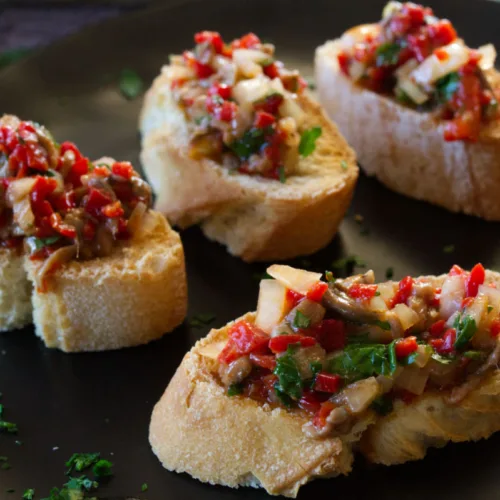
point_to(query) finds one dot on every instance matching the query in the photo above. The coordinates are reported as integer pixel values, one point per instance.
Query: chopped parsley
(144, 487)
(6, 426)
(343, 165)
(489, 309)
(289, 383)
(103, 468)
(301, 320)
(251, 142)
(466, 328)
(441, 359)
(29, 494)
(202, 319)
(382, 405)
(281, 174)
(473, 354)
(130, 84)
(45, 242)
(308, 139)
(387, 54)
(234, 389)
(385, 325)
(329, 276)
(449, 249)
(81, 461)
(447, 86)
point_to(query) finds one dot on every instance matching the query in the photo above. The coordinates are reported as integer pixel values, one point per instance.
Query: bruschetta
(283, 395)
(418, 106)
(82, 254)
(232, 141)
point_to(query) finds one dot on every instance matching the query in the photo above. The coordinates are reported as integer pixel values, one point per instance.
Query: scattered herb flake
(489, 309)
(29, 494)
(144, 487)
(130, 84)
(201, 320)
(385, 325)
(308, 139)
(343, 165)
(251, 142)
(261, 276)
(81, 461)
(281, 174)
(301, 320)
(19, 443)
(449, 248)
(466, 328)
(103, 468)
(289, 383)
(447, 86)
(473, 354)
(388, 54)
(45, 242)
(382, 405)
(347, 264)
(234, 389)
(329, 276)
(8, 427)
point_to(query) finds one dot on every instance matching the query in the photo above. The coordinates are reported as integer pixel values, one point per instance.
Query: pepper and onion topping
(242, 106)
(60, 204)
(340, 349)
(419, 59)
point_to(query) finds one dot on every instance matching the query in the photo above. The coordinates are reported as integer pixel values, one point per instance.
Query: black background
(103, 401)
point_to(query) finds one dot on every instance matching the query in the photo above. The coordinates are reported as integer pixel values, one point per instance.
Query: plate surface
(102, 402)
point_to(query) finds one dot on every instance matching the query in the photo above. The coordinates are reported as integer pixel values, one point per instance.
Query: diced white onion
(358, 34)
(272, 305)
(423, 355)
(413, 379)
(290, 107)
(359, 395)
(249, 61)
(378, 304)
(246, 92)
(407, 316)
(298, 280)
(433, 68)
(477, 309)
(212, 351)
(356, 70)
(406, 68)
(452, 294)
(23, 215)
(391, 8)
(18, 189)
(386, 291)
(489, 55)
(413, 91)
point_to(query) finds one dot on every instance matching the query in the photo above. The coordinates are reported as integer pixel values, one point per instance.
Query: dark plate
(102, 402)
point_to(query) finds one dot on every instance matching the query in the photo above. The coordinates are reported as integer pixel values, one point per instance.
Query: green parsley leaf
(202, 319)
(11, 56)
(489, 309)
(382, 405)
(130, 84)
(311, 85)
(466, 328)
(403, 97)
(144, 487)
(385, 325)
(29, 494)
(316, 367)
(308, 139)
(289, 379)
(343, 165)
(81, 483)
(301, 320)
(103, 468)
(449, 249)
(8, 427)
(389, 273)
(285, 399)
(281, 174)
(329, 276)
(393, 360)
(410, 359)
(473, 354)
(234, 389)
(45, 242)
(81, 461)
(251, 142)
(447, 86)
(387, 54)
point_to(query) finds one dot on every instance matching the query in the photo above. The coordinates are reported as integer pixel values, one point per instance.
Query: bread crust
(129, 298)
(15, 291)
(256, 218)
(235, 441)
(405, 149)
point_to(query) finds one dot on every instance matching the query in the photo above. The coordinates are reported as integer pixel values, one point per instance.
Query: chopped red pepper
(244, 339)
(362, 292)
(317, 291)
(437, 328)
(270, 104)
(327, 382)
(113, 210)
(63, 229)
(123, 169)
(468, 301)
(263, 119)
(330, 334)
(96, 200)
(406, 346)
(267, 361)
(404, 291)
(311, 401)
(281, 342)
(456, 271)
(271, 70)
(495, 327)
(227, 111)
(319, 420)
(475, 279)
(211, 37)
(445, 345)
(246, 42)
(293, 298)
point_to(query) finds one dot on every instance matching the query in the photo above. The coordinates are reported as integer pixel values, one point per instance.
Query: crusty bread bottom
(129, 298)
(256, 218)
(15, 291)
(197, 428)
(405, 149)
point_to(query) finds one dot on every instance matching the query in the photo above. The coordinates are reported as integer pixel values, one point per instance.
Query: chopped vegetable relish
(242, 106)
(419, 59)
(60, 204)
(338, 350)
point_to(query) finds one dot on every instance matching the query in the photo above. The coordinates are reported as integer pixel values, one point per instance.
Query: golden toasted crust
(235, 441)
(405, 149)
(256, 218)
(129, 298)
(15, 291)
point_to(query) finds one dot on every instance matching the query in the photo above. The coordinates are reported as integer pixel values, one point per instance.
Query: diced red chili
(96, 200)
(246, 42)
(101, 171)
(220, 89)
(437, 328)
(63, 229)
(123, 169)
(445, 345)
(404, 291)
(495, 327)
(475, 279)
(316, 292)
(267, 361)
(280, 343)
(468, 301)
(311, 401)
(227, 111)
(113, 210)
(456, 271)
(330, 334)
(263, 119)
(211, 37)
(271, 70)
(244, 339)
(362, 292)
(327, 382)
(343, 60)
(42, 188)
(69, 146)
(406, 346)
(270, 104)
(319, 420)
(293, 298)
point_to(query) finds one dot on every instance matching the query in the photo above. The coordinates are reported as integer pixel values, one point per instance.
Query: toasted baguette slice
(131, 297)
(15, 291)
(408, 432)
(405, 149)
(256, 218)
(234, 441)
